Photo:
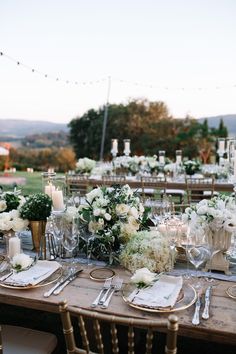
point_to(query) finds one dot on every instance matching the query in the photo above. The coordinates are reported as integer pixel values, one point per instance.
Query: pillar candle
(178, 159)
(162, 159)
(234, 162)
(114, 145)
(49, 189)
(14, 246)
(57, 200)
(221, 145)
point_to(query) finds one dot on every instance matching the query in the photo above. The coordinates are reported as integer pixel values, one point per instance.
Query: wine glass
(156, 211)
(70, 238)
(173, 231)
(198, 251)
(87, 237)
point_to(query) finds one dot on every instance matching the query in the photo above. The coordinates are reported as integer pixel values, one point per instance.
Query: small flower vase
(219, 242)
(37, 228)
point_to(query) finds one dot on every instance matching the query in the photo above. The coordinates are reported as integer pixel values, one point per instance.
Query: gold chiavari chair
(113, 179)
(153, 186)
(21, 340)
(199, 188)
(92, 323)
(77, 183)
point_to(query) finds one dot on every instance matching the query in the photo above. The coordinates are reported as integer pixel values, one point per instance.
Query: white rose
(96, 212)
(133, 212)
(144, 276)
(21, 261)
(122, 209)
(3, 205)
(97, 192)
(107, 216)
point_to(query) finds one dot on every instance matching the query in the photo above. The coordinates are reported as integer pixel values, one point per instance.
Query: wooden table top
(220, 327)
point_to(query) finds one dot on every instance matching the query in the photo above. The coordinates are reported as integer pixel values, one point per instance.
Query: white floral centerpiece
(85, 165)
(191, 167)
(137, 164)
(10, 219)
(148, 249)
(112, 215)
(216, 217)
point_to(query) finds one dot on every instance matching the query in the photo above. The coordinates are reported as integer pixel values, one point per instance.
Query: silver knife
(65, 283)
(205, 314)
(196, 319)
(59, 283)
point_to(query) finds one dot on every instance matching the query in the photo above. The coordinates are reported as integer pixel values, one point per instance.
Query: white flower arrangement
(21, 262)
(137, 164)
(112, 215)
(148, 249)
(213, 214)
(143, 277)
(191, 166)
(85, 165)
(70, 213)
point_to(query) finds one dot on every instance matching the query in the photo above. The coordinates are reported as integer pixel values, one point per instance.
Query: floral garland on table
(112, 215)
(212, 214)
(191, 166)
(85, 165)
(10, 218)
(137, 164)
(147, 249)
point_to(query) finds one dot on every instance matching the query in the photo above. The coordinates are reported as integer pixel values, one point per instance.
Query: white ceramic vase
(219, 242)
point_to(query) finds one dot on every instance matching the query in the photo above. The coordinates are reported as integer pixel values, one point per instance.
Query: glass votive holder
(178, 156)
(162, 154)
(126, 147)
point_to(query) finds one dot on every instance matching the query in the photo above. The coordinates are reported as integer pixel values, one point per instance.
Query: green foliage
(37, 207)
(12, 201)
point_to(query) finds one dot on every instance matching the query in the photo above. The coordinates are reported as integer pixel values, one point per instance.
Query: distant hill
(19, 128)
(229, 122)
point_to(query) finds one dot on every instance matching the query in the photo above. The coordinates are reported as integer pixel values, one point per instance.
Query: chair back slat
(114, 339)
(83, 333)
(98, 336)
(131, 325)
(130, 340)
(0, 340)
(149, 341)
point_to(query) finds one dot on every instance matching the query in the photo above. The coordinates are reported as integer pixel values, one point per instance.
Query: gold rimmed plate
(231, 291)
(187, 298)
(51, 279)
(102, 274)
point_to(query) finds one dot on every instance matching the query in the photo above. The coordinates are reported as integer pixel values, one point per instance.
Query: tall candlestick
(126, 147)
(14, 246)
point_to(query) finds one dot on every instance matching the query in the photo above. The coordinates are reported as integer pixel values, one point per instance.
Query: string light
(33, 70)
(137, 84)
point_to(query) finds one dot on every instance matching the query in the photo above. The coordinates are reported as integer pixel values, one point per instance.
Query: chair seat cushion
(20, 340)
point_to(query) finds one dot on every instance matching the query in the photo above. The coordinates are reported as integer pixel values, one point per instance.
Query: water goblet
(173, 231)
(197, 252)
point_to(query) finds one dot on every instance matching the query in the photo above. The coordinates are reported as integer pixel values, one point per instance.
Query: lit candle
(14, 246)
(126, 147)
(234, 162)
(49, 189)
(57, 200)
(221, 145)
(114, 146)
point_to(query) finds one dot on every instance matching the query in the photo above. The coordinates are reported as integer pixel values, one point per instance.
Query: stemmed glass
(156, 211)
(87, 237)
(70, 239)
(197, 251)
(173, 231)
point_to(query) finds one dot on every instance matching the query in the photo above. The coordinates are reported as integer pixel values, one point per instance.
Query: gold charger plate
(51, 279)
(101, 274)
(186, 299)
(231, 291)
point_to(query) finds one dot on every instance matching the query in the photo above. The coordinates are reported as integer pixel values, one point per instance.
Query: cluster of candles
(57, 196)
(227, 146)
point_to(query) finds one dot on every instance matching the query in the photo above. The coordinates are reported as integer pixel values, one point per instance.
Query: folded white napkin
(164, 293)
(34, 275)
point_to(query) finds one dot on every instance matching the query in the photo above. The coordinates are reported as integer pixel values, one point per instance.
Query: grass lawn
(33, 182)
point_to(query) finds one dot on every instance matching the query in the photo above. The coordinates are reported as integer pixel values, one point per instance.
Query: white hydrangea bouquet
(112, 215)
(213, 214)
(10, 219)
(147, 249)
(85, 165)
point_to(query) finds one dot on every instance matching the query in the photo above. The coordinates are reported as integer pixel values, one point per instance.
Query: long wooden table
(221, 327)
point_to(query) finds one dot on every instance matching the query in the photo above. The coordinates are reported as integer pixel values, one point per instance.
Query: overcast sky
(182, 52)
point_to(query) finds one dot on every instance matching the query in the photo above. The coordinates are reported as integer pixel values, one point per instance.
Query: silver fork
(116, 286)
(105, 287)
